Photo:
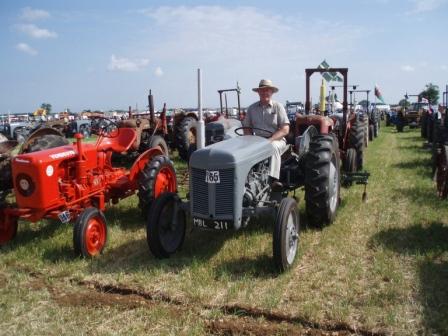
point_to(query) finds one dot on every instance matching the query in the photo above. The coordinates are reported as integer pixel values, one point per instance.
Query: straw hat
(266, 83)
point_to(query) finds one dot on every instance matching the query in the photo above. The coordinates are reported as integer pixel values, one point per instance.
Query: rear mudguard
(37, 134)
(141, 162)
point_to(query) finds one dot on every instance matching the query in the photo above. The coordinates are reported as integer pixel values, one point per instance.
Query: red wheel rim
(95, 236)
(165, 181)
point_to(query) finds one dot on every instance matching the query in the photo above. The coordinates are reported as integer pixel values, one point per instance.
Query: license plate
(64, 216)
(212, 176)
(212, 224)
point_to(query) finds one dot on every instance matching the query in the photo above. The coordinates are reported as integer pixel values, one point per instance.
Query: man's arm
(280, 133)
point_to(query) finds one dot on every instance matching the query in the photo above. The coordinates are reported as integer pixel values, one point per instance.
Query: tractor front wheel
(8, 227)
(165, 230)
(90, 233)
(157, 177)
(285, 240)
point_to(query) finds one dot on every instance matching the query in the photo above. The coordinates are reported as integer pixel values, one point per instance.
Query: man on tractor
(269, 115)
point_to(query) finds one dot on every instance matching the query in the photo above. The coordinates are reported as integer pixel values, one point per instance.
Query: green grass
(382, 266)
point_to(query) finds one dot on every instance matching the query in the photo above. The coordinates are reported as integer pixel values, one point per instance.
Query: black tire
(441, 172)
(400, 126)
(423, 126)
(321, 195)
(350, 161)
(186, 136)
(375, 130)
(157, 140)
(147, 181)
(356, 141)
(371, 131)
(285, 239)
(47, 141)
(430, 128)
(90, 233)
(388, 119)
(162, 237)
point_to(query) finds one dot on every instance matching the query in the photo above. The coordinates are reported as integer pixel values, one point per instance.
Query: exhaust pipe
(200, 125)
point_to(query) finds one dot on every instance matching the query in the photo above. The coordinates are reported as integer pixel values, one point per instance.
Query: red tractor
(346, 126)
(76, 182)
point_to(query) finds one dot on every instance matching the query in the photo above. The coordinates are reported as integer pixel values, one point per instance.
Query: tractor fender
(141, 162)
(302, 142)
(37, 134)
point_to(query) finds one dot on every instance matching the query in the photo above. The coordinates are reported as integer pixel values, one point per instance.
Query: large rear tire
(186, 136)
(166, 226)
(441, 173)
(356, 141)
(90, 233)
(322, 180)
(371, 131)
(157, 140)
(285, 240)
(157, 177)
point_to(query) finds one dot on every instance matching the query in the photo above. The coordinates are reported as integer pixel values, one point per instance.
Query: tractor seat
(121, 143)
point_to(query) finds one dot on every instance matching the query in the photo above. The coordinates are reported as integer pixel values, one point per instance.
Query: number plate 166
(212, 176)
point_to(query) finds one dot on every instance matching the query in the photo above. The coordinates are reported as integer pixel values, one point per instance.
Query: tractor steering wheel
(252, 129)
(107, 128)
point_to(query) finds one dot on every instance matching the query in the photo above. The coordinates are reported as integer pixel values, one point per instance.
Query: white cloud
(26, 49)
(158, 72)
(36, 32)
(30, 14)
(126, 64)
(407, 68)
(422, 6)
(246, 34)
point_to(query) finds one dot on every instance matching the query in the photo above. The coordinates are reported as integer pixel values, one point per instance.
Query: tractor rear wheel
(441, 174)
(423, 126)
(186, 136)
(285, 240)
(350, 161)
(47, 141)
(8, 227)
(157, 140)
(322, 180)
(371, 131)
(375, 129)
(90, 233)
(356, 141)
(157, 177)
(166, 226)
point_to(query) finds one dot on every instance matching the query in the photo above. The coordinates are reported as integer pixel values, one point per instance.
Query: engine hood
(232, 152)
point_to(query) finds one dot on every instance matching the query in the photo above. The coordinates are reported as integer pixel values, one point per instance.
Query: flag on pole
(329, 76)
(378, 94)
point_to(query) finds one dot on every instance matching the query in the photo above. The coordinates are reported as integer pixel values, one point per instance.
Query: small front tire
(285, 240)
(90, 233)
(166, 226)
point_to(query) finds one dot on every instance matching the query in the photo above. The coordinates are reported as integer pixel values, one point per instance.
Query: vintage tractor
(346, 126)
(185, 122)
(76, 182)
(151, 132)
(229, 185)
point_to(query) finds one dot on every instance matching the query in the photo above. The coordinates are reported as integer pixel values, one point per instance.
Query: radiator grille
(223, 192)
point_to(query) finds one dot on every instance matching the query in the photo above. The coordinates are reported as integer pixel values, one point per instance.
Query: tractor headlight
(25, 184)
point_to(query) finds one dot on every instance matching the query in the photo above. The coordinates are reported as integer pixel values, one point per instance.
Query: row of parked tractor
(229, 186)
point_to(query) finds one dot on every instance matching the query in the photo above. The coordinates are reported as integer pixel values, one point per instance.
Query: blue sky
(107, 54)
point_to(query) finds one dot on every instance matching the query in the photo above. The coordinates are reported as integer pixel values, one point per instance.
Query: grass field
(381, 268)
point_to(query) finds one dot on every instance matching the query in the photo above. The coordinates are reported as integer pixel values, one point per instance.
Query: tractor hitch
(348, 179)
